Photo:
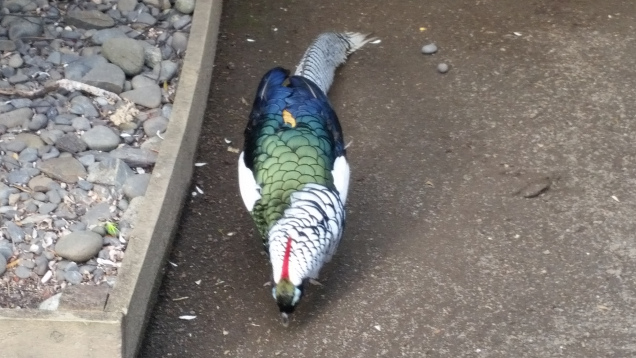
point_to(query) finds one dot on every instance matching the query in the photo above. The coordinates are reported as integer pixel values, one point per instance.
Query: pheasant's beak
(284, 317)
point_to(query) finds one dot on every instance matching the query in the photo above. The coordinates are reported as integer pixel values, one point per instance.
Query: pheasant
(293, 172)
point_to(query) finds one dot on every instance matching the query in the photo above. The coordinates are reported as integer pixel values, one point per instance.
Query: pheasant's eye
(297, 294)
(274, 292)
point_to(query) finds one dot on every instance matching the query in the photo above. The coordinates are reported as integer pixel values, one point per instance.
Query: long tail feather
(326, 53)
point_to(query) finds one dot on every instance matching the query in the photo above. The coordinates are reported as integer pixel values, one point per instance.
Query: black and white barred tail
(314, 222)
(326, 53)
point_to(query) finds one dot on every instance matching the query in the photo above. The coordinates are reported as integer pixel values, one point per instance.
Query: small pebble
(429, 49)
(73, 277)
(442, 68)
(22, 272)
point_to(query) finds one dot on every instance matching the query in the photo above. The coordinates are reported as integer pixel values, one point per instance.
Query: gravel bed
(86, 91)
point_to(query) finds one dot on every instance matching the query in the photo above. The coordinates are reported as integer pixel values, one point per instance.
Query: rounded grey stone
(16, 117)
(47, 208)
(3, 264)
(185, 6)
(41, 269)
(31, 207)
(86, 161)
(19, 77)
(135, 157)
(39, 196)
(145, 18)
(28, 155)
(122, 204)
(166, 110)
(136, 185)
(7, 45)
(442, 68)
(126, 53)
(49, 255)
(15, 60)
(82, 105)
(19, 176)
(31, 27)
(73, 277)
(31, 140)
(21, 102)
(15, 145)
(52, 153)
(180, 41)
(86, 269)
(126, 5)
(166, 70)
(38, 122)
(51, 136)
(148, 96)
(40, 183)
(15, 232)
(54, 197)
(99, 230)
(66, 169)
(79, 245)
(27, 263)
(70, 143)
(22, 272)
(89, 19)
(101, 36)
(182, 22)
(429, 49)
(101, 138)
(84, 185)
(140, 81)
(106, 76)
(81, 123)
(152, 125)
(78, 226)
(71, 266)
(6, 249)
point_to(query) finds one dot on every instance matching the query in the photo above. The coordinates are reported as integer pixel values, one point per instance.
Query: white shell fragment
(198, 189)
(106, 262)
(375, 41)
(378, 328)
(251, 40)
(615, 199)
(187, 317)
(517, 33)
(47, 276)
(200, 164)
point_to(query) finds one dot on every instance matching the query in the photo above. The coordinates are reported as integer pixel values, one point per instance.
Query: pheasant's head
(287, 296)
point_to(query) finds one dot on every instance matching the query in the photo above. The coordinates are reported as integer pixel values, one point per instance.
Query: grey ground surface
(443, 255)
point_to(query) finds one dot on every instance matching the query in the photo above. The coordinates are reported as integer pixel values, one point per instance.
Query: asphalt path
(491, 210)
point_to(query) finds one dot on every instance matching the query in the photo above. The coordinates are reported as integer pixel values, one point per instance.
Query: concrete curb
(116, 328)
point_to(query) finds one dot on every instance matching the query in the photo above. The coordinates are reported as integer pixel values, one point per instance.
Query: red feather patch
(285, 274)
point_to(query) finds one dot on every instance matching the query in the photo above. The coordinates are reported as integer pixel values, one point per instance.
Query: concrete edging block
(117, 329)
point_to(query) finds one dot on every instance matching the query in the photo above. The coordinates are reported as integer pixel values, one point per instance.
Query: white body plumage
(314, 222)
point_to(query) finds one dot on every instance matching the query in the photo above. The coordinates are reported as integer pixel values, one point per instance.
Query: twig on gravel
(125, 113)
(66, 84)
